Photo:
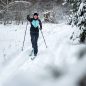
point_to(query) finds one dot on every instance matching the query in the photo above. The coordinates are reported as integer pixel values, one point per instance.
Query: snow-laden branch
(2, 5)
(3, 2)
(12, 3)
(1, 11)
(15, 2)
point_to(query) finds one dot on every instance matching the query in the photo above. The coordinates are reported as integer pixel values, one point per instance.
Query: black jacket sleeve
(40, 24)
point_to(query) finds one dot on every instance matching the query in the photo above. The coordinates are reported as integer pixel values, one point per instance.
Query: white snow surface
(57, 65)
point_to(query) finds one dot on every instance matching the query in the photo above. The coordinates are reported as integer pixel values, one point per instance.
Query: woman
(34, 31)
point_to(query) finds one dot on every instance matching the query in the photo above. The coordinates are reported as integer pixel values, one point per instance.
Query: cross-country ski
(33, 58)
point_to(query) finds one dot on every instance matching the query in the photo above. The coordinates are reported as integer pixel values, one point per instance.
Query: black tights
(34, 40)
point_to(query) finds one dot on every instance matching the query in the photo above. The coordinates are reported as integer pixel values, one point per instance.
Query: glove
(28, 17)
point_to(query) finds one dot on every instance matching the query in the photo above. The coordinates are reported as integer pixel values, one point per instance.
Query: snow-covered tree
(14, 10)
(81, 22)
(74, 4)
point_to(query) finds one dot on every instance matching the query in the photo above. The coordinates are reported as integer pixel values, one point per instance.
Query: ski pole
(43, 38)
(24, 36)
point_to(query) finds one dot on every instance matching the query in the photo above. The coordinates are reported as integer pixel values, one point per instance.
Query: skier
(34, 31)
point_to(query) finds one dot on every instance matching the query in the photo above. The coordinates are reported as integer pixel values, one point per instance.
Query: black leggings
(34, 40)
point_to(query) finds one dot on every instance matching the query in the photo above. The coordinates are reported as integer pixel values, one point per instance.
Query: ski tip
(33, 58)
(21, 49)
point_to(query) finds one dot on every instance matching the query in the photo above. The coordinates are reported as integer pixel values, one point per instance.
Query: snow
(59, 64)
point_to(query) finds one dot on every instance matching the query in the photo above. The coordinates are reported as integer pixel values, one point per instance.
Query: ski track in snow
(53, 66)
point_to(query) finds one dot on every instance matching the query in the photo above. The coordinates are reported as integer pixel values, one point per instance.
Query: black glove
(28, 17)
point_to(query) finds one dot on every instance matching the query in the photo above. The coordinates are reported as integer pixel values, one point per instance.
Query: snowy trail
(24, 72)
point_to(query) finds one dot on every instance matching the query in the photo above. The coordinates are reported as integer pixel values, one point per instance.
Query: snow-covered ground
(62, 63)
